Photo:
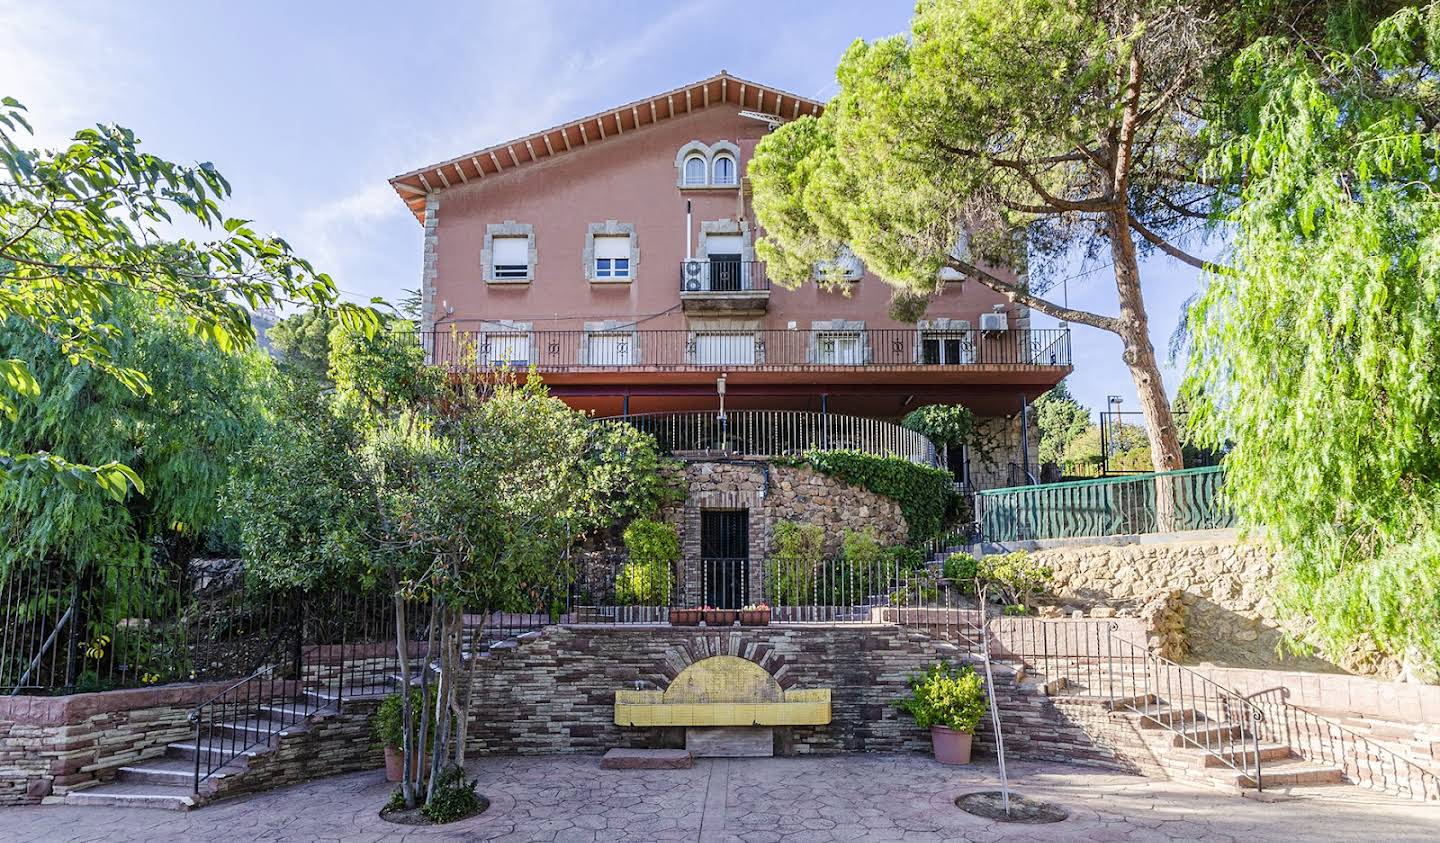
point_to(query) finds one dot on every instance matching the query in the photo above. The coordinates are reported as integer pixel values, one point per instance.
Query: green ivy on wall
(926, 495)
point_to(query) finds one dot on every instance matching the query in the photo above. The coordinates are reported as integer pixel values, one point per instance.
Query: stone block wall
(327, 745)
(556, 693)
(996, 456)
(51, 745)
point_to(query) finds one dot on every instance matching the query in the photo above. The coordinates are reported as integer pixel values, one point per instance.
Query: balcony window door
(511, 350)
(950, 348)
(726, 269)
(725, 349)
(839, 348)
(610, 349)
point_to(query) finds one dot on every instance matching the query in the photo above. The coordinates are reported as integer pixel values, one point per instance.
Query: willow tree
(1319, 356)
(1040, 127)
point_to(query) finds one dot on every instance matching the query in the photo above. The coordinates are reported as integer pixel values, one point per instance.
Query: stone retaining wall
(326, 745)
(556, 693)
(51, 745)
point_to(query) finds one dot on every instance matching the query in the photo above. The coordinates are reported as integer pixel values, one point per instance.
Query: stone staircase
(166, 780)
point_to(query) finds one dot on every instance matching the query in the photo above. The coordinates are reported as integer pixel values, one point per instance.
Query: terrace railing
(468, 348)
(773, 433)
(1163, 502)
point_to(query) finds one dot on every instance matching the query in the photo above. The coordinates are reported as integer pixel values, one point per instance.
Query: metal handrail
(1348, 761)
(772, 433)
(699, 276)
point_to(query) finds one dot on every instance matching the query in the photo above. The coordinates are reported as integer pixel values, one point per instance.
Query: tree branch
(1175, 252)
(1019, 295)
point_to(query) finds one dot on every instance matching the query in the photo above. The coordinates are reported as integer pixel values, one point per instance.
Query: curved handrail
(771, 433)
(1429, 788)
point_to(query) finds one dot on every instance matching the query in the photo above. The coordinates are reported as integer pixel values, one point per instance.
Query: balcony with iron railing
(899, 350)
(723, 285)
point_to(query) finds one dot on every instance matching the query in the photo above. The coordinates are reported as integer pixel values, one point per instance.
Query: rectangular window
(511, 257)
(506, 349)
(839, 348)
(612, 257)
(947, 349)
(609, 349)
(725, 349)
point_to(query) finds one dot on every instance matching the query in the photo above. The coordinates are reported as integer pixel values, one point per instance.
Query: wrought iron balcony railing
(775, 433)
(722, 275)
(558, 351)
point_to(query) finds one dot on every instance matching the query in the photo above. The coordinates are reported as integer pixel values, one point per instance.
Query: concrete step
(293, 711)
(255, 728)
(1163, 716)
(329, 695)
(1207, 734)
(646, 759)
(133, 795)
(1246, 755)
(1292, 773)
(216, 751)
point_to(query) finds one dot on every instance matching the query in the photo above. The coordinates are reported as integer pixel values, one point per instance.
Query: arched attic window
(723, 169)
(695, 169)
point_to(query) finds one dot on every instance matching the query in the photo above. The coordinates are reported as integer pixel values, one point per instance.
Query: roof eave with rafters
(597, 128)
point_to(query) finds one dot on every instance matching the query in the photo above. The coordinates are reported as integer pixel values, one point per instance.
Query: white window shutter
(511, 251)
(612, 247)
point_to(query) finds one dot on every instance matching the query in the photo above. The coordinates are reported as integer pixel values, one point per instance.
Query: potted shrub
(717, 617)
(949, 701)
(756, 614)
(685, 617)
(389, 726)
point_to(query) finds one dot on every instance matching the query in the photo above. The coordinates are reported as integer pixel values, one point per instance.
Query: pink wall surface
(630, 179)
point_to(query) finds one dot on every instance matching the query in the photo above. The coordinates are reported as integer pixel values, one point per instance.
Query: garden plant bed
(416, 816)
(989, 804)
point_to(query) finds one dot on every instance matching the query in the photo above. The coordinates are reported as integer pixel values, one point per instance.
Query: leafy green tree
(79, 226)
(1061, 420)
(942, 424)
(303, 341)
(1026, 130)
(1318, 355)
(178, 438)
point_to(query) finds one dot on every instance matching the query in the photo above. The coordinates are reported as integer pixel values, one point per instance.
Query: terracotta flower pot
(684, 617)
(754, 617)
(951, 747)
(720, 617)
(395, 762)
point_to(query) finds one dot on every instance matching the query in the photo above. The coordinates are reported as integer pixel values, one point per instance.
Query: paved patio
(896, 798)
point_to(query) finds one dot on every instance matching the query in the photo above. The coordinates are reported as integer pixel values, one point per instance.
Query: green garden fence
(1163, 502)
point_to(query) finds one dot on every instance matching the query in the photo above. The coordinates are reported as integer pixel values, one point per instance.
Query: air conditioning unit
(993, 323)
(693, 271)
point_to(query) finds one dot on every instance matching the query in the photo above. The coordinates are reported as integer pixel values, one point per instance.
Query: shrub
(1018, 576)
(906, 557)
(944, 695)
(647, 579)
(389, 720)
(798, 551)
(861, 547)
(926, 495)
(453, 798)
(962, 569)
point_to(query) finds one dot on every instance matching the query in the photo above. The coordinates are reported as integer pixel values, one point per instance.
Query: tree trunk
(1139, 355)
(407, 712)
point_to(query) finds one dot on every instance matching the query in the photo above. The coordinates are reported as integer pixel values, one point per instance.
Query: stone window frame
(707, 152)
(849, 276)
(729, 326)
(944, 325)
(838, 326)
(503, 328)
(508, 228)
(610, 328)
(726, 228)
(610, 228)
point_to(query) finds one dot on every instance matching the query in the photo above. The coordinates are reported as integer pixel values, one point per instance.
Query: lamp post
(720, 390)
(1113, 445)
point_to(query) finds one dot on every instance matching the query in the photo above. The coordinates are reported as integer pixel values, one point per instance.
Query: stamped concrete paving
(907, 798)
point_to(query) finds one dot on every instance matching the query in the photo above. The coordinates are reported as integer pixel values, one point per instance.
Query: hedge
(926, 495)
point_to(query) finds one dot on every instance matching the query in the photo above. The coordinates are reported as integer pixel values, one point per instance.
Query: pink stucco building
(615, 255)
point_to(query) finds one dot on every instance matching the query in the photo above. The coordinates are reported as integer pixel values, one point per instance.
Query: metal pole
(994, 712)
(1025, 439)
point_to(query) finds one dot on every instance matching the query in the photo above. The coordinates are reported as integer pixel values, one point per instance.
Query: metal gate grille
(724, 557)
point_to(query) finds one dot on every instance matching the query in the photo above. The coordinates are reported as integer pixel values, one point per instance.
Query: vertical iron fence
(773, 433)
(1162, 502)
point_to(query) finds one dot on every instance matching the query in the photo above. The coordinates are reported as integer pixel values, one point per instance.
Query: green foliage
(945, 695)
(942, 424)
(178, 439)
(388, 724)
(453, 798)
(1061, 420)
(905, 557)
(1317, 357)
(384, 372)
(862, 547)
(648, 577)
(799, 549)
(648, 540)
(303, 342)
(925, 495)
(961, 569)
(82, 226)
(1018, 576)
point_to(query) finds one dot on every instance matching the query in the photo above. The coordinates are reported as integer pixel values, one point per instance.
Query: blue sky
(307, 108)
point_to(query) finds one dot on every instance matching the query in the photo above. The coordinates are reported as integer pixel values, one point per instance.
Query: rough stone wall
(1227, 589)
(996, 457)
(51, 745)
(791, 494)
(556, 693)
(327, 745)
